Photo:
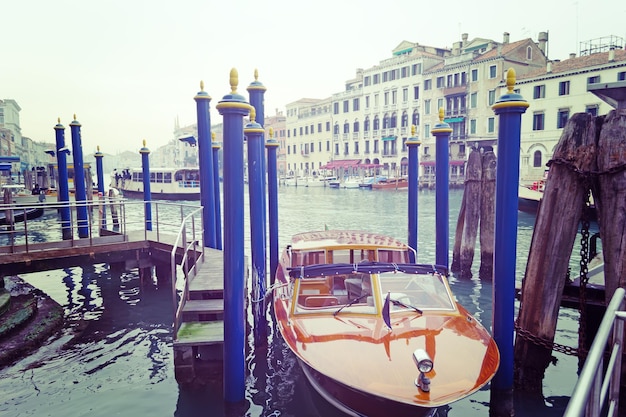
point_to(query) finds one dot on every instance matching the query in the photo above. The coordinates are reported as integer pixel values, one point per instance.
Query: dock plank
(197, 333)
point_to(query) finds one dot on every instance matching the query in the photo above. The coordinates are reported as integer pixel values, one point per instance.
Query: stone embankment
(28, 317)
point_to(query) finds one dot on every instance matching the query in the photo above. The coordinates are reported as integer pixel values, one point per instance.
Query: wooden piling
(487, 214)
(469, 217)
(551, 246)
(611, 199)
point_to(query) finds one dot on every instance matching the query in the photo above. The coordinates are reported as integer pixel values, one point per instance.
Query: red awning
(342, 163)
(433, 163)
(428, 163)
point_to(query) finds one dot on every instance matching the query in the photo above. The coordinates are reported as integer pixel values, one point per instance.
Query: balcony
(455, 91)
(335, 137)
(345, 137)
(366, 134)
(305, 154)
(355, 135)
(376, 133)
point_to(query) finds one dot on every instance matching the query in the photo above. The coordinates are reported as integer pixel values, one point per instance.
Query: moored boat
(391, 183)
(376, 335)
(165, 183)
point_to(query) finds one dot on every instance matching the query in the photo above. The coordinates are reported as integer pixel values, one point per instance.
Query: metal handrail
(597, 388)
(189, 272)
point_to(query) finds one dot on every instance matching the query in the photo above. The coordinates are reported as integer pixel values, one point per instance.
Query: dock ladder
(198, 304)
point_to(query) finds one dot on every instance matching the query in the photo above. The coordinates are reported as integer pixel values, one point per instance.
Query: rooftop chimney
(464, 39)
(572, 55)
(505, 37)
(611, 54)
(543, 40)
(549, 67)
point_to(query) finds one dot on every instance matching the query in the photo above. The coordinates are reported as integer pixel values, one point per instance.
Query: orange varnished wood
(361, 352)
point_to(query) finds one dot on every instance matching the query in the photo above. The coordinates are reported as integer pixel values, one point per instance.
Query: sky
(129, 69)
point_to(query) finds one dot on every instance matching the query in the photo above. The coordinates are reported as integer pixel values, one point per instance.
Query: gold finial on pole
(98, 148)
(271, 132)
(201, 85)
(441, 113)
(58, 120)
(256, 74)
(74, 116)
(252, 114)
(234, 80)
(510, 79)
(413, 130)
(213, 136)
(144, 143)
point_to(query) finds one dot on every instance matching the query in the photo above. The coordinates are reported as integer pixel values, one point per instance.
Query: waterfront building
(558, 90)
(369, 122)
(278, 123)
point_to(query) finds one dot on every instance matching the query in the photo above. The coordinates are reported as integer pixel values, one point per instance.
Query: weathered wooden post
(233, 108)
(80, 193)
(147, 193)
(469, 217)
(487, 213)
(100, 175)
(442, 131)
(611, 201)
(272, 196)
(215, 146)
(551, 246)
(205, 162)
(510, 108)
(413, 144)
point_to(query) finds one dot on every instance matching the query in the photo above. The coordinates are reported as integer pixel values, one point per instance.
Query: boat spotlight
(424, 365)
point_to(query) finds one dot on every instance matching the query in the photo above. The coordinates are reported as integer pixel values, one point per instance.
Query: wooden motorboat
(391, 183)
(376, 335)
(18, 214)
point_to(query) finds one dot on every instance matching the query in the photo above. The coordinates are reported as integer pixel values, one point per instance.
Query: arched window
(355, 126)
(537, 159)
(376, 123)
(386, 121)
(416, 118)
(529, 53)
(366, 124)
(393, 122)
(346, 127)
(405, 119)
(336, 129)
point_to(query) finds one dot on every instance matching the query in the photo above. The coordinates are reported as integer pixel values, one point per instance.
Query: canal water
(114, 356)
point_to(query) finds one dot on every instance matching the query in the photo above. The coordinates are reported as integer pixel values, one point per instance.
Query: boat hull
(357, 403)
(19, 214)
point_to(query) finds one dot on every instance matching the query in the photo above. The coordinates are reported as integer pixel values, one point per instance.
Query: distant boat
(529, 198)
(367, 182)
(165, 183)
(391, 183)
(319, 181)
(375, 334)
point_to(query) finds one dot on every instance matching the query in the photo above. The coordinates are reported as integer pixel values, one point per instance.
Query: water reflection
(115, 354)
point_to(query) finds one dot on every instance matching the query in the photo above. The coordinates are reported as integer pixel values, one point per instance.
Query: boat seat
(354, 287)
(321, 301)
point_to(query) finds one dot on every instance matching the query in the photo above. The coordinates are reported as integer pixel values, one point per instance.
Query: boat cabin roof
(346, 238)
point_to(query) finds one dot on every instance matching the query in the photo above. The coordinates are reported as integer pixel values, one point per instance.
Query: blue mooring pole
(63, 189)
(100, 175)
(510, 108)
(442, 131)
(272, 195)
(205, 161)
(233, 108)
(215, 146)
(254, 133)
(413, 144)
(147, 194)
(79, 180)
(256, 92)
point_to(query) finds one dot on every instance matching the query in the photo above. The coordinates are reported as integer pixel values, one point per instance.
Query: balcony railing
(355, 135)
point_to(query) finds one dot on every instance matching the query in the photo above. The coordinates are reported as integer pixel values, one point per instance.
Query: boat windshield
(352, 292)
(424, 291)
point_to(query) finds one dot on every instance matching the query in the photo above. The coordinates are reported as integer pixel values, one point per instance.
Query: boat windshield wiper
(355, 300)
(401, 304)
